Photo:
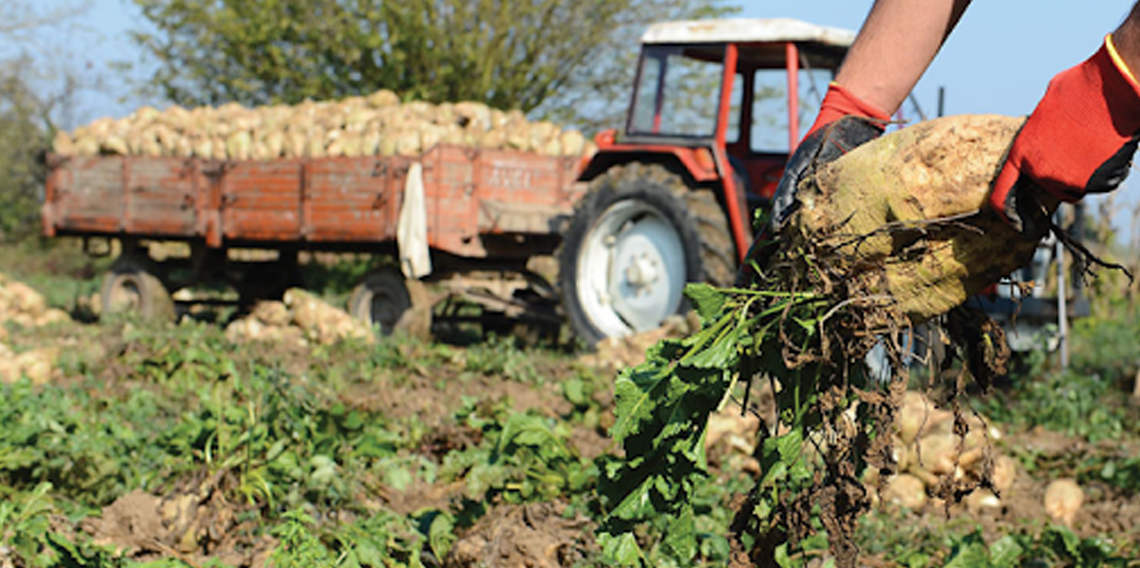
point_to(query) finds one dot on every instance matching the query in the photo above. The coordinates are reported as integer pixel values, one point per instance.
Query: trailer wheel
(638, 236)
(132, 285)
(383, 298)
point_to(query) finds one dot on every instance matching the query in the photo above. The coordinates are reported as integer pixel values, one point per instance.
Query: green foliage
(523, 457)
(28, 529)
(25, 522)
(57, 268)
(184, 405)
(46, 438)
(379, 541)
(307, 456)
(502, 356)
(34, 87)
(960, 545)
(24, 135)
(507, 54)
(1069, 402)
(287, 441)
(335, 280)
(662, 409)
(1105, 345)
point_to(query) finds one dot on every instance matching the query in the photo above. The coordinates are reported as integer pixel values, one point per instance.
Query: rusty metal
(330, 203)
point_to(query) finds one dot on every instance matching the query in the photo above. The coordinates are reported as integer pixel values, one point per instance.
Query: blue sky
(1000, 57)
(999, 60)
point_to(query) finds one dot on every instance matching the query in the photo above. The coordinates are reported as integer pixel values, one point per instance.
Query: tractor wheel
(132, 285)
(638, 236)
(385, 299)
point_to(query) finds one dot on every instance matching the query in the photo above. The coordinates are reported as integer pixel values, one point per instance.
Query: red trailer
(485, 211)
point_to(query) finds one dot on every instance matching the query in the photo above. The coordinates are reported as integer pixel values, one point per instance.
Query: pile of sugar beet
(896, 234)
(379, 124)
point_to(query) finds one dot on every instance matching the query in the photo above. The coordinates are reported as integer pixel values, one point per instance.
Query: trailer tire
(386, 300)
(132, 284)
(637, 237)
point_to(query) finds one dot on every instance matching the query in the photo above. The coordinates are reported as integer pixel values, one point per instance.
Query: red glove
(839, 102)
(1080, 139)
(843, 124)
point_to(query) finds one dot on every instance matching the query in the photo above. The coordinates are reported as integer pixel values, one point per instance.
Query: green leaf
(680, 535)
(1006, 552)
(707, 301)
(1069, 541)
(622, 549)
(441, 534)
(970, 552)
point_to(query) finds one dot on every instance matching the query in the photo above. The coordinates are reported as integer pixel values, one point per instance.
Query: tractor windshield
(677, 92)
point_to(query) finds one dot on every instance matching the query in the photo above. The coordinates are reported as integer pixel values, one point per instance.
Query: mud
(195, 525)
(534, 536)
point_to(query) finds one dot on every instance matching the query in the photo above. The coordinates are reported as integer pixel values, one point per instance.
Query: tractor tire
(637, 237)
(386, 300)
(133, 285)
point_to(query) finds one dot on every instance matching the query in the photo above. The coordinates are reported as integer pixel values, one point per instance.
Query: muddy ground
(145, 526)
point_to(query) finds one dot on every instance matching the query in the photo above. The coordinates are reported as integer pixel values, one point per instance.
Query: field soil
(439, 396)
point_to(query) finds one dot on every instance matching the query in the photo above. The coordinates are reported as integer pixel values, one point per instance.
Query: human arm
(896, 44)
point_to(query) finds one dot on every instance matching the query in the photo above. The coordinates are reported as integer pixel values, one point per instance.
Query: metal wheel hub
(631, 269)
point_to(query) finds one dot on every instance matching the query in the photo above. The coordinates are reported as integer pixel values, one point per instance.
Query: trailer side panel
(87, 195)
(161, 197)
(351, 200)
(261, 201)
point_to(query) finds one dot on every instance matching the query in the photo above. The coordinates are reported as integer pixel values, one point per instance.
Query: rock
(1063, 498)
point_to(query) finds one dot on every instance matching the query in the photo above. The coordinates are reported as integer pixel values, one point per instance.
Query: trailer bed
(479, 203)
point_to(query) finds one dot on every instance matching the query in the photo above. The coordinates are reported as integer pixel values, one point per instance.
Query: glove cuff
(840, 102)
(1120, 65)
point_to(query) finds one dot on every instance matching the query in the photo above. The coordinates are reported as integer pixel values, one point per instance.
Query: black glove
(823, 145)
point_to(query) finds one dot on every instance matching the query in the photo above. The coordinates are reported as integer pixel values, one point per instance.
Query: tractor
(716, 109)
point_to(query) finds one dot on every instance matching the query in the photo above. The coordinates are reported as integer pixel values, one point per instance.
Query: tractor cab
(741, 87)
(717, 107)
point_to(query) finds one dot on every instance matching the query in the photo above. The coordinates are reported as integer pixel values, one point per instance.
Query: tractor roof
(746, 30)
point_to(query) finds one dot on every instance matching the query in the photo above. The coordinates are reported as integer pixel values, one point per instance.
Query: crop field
(137, 443)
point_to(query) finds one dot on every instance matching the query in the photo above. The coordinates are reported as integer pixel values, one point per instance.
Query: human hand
(1079, 140)
(843, 124)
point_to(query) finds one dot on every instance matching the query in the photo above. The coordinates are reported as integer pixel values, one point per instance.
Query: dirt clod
(531, 536)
